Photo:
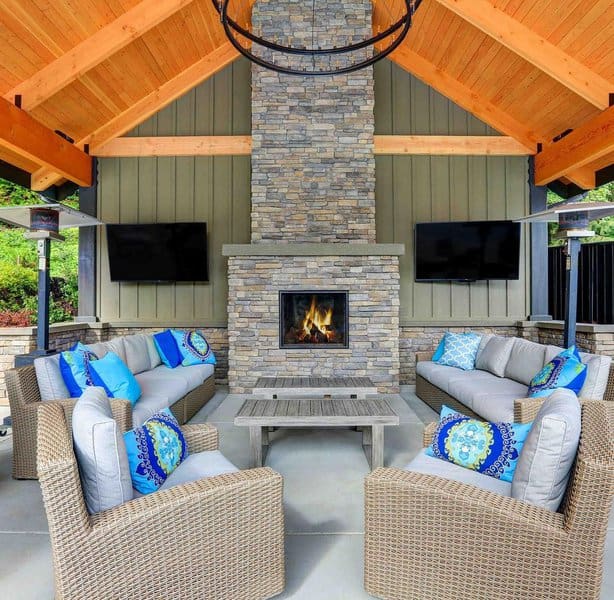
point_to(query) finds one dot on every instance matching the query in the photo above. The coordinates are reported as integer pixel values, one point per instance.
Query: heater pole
(42, 329)
(571, 288)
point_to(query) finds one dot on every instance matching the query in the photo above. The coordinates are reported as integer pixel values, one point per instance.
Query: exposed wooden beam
(462, 95)
(212, 145)
(31, 140)
(588, 143)
(94, 50)
(534, 48)
(472, 145)
(237, 145)
(148, 105)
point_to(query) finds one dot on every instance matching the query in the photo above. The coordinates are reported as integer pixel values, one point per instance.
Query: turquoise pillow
(155, 450)
(439, 350)
(112, 374)
(489, 448)
(167, 348)
(565, 370)
(193, 347)
(460, 350)
(74, 367)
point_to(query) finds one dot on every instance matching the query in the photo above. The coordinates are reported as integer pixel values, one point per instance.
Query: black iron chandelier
(394, 21)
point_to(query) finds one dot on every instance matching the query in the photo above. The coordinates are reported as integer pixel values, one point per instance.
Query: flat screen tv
(161, 252)
(467, 251)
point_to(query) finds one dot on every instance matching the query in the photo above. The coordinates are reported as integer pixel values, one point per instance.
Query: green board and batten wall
(409, 189)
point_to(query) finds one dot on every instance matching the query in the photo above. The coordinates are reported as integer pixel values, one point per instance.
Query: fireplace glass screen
(313, 319)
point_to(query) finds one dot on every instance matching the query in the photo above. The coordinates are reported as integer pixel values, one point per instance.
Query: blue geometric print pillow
(74, 367)
(565, 370)
(489, 448)
(460, 350)
(194, 348)
(155, 450)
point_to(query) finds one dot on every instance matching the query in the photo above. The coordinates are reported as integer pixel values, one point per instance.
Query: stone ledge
(306, 249)
(580, 327)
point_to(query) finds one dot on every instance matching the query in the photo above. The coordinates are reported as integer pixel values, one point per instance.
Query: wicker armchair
(427, 537)
(216, 538)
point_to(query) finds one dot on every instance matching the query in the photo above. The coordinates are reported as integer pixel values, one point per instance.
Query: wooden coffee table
(371, 414)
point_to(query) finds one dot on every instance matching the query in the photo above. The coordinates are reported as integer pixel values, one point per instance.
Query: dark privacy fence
(595, 283)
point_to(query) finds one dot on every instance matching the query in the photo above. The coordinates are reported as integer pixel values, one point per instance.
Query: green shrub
(17, 285)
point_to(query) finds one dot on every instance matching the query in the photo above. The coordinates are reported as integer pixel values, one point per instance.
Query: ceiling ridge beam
(534, 48)
(147, 106)
(28, 138)
(94, 50)
(587, 143)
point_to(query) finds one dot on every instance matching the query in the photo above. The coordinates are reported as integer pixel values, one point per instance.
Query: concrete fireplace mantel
(307, 249)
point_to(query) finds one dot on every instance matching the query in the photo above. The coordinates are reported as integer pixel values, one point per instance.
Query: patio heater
(573, 219)
(43, 223)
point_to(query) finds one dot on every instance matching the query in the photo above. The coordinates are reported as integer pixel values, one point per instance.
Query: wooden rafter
(450, 145)
(197, 145)
(534, 48)
(147, 106)
(584, 145)
(94, 50)
(33, 142)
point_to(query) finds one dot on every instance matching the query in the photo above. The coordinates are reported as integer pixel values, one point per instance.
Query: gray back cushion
(545, 461)
(99, 349)
(137, 353)
(526, 360)
(154, 356)
(49, 378)
(495, 355)
(101, 452)
(117, 345)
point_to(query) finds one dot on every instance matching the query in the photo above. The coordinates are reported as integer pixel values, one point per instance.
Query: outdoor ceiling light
(272, 54)
(573, 219)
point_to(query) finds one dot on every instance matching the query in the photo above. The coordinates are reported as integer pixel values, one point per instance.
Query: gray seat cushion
(475, 383)
(193, 375)
(439, 375)
(546, 459)
(162, 384)
(496, 403)
(49, 378)
(197, 466)
(429, 465)
(137, 353)
(101, 452)
(147, 406)
(495, 355)
(526, 360)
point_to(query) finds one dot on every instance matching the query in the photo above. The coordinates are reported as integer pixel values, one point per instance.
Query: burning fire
(317, 320)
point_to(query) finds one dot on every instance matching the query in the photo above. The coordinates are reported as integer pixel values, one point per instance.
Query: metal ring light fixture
(397, 31)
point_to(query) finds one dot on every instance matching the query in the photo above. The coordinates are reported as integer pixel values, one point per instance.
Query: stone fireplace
(313, 221)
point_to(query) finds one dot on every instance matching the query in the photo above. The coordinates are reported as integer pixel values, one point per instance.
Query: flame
(318, 318)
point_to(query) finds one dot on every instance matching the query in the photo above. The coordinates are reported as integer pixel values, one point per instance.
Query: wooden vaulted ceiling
(94, 69)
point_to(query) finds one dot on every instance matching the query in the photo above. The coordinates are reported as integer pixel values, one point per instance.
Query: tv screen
(467, 251)
(158, 252)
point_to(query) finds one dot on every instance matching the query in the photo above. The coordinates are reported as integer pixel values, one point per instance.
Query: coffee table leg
(255, 441)
(377, 446)
(366, 436)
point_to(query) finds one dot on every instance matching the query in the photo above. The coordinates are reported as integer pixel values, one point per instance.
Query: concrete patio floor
(323, 493)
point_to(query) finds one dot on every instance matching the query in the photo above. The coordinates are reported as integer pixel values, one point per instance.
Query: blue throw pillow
(565, 370)
(194, 348)
(155, 450)
(167, 348)
(460, 350)
(111, 373)
(74, 367)
(489, 448)
(439, 350)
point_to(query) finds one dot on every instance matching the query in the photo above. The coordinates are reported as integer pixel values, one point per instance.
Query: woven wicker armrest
(526, 409)
(200, 437)
(420, 356)
(461, 503)
(427, 436)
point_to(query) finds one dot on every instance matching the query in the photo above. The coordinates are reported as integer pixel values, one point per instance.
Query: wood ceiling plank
(148, 105)
(533, 48)
(23, 135)
(93, 50)
(584, 145)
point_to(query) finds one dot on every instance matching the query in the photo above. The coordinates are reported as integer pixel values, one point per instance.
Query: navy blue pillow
(167, 348)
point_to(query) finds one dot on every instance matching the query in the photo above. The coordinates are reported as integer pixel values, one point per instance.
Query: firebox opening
(313, 319)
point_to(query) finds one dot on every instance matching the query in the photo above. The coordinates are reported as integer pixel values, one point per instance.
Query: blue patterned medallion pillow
(155, 450)
(167, 348)
(489, 448)
(111, 373)
(193, 347)
(74, 367)
(460, 350)
(565, 370)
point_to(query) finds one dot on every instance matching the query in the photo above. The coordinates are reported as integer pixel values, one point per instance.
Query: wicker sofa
(185, 390)
(485, 395)
(217, 538)
(431, 537)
